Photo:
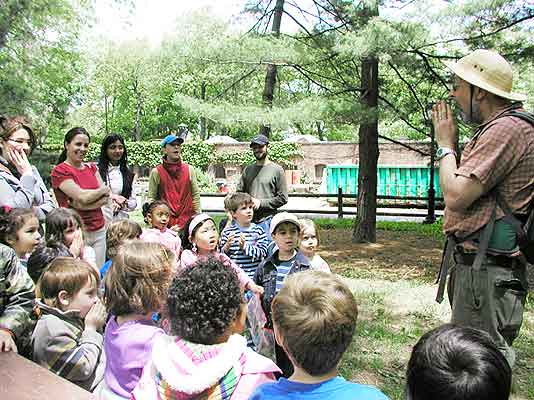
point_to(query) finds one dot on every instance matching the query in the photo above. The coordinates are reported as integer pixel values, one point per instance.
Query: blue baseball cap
(173, 138)
(259, 139)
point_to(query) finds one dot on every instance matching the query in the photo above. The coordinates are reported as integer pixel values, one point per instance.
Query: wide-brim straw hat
(487, 70)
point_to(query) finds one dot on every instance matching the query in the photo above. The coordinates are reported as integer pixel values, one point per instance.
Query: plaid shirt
(501, 157)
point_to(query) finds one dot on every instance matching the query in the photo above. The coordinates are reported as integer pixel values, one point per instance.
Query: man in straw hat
(485, 192)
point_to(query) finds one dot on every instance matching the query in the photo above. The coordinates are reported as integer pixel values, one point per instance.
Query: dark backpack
(524, 229)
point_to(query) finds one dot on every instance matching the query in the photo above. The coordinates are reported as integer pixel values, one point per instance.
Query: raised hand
(76, 247)
(444, 125)
(242, 241)
(255, 288)
(6, 342)
(228, 244)
(20, 161)
(96, 317)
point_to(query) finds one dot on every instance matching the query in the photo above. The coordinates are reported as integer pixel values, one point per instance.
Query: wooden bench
(21, 379)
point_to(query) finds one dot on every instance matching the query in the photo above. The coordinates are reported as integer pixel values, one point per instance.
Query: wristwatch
(443, 151)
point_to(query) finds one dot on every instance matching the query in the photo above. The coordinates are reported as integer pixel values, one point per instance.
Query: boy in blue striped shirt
(242, 240)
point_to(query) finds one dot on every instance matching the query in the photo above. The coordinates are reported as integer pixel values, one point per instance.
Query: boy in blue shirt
(314, 318)
(242, 240)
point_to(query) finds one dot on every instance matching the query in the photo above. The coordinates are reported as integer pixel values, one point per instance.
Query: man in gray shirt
(265, 181)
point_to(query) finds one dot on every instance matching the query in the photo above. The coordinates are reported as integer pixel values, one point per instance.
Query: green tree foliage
(40, 66)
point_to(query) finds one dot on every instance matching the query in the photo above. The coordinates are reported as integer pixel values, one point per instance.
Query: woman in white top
(113, 168)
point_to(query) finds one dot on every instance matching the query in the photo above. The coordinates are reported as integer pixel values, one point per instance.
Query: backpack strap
(524, 115)
(450, 244)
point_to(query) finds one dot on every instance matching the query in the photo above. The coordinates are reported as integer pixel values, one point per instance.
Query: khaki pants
(491, 300)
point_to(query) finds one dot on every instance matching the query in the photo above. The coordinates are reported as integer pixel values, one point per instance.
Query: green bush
(205, 182)
(196, 153)
(148, 154)
(280, 152)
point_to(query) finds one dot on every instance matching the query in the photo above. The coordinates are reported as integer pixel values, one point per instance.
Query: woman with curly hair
(208, 358)
(21, 185)
(113, 168)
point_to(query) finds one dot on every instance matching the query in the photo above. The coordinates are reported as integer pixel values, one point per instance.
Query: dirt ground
(396, 255)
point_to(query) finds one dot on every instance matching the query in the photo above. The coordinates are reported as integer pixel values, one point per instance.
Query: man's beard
(261, 156)
(475, 118)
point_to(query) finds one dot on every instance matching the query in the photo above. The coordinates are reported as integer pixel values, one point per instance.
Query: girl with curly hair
(207, 357)
(135, 287)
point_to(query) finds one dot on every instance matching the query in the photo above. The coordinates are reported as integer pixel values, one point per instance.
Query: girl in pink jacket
(200, 239)
(157, 216)
(208, 358)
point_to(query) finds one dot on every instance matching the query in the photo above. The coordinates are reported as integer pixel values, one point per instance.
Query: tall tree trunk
(203, 132)
(320, 130)
(270, 76)
(138, 105)
(106, 110)
(365, 222)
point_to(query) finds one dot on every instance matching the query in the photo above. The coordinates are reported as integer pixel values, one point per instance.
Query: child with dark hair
(208, 358)
(314, 318)
(272, 272)
(157, 215)
(64, 225)
(19, 229)
(66, 340)
(16, 300)
(242, 240)
(135, 285)
(43, 255)
(457, 363)
(200, 239)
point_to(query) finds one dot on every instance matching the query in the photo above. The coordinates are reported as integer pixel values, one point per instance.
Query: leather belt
(469, 259)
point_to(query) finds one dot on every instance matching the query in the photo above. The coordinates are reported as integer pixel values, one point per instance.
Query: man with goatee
(265, 182)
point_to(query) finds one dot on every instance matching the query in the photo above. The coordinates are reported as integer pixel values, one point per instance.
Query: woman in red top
(78, 185)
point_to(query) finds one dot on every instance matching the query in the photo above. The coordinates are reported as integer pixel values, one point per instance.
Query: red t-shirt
(85, 178)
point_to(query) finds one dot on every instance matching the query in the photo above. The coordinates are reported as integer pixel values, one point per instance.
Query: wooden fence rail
(408, 202)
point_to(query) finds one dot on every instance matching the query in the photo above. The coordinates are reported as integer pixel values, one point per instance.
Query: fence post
(339, 202)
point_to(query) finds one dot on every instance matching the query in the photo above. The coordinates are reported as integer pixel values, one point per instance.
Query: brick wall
(318, 154)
